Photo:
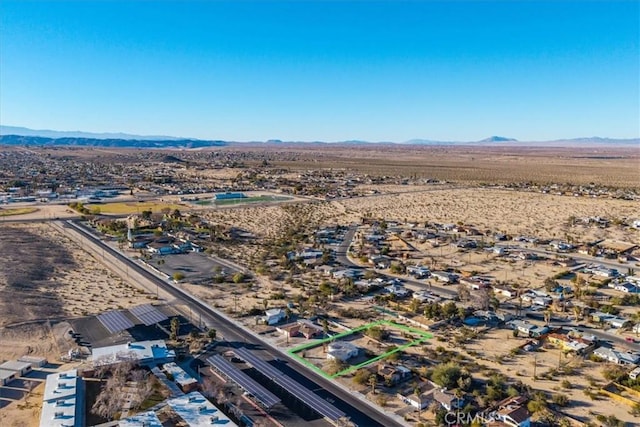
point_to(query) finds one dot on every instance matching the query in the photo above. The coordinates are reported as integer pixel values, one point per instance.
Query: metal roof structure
(115, 321)
(148, 314)
(264, 396)
(293, 387)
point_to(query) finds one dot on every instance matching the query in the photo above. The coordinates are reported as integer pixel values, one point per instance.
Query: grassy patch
(16, 211)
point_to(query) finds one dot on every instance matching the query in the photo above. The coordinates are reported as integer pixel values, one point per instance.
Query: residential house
(516, 416)
(448, 400)
(445, 276)
(341, 350)
(394, 374)
(424, 296)
(273, 316)
(398, 290)
(309, 329)
(420, 401)
(627, 287)
(618, 357)
(349, 273)
(513, 412)
(419, 272)
(505, 291)
(380, 261)
(527, 328)
(571, 344)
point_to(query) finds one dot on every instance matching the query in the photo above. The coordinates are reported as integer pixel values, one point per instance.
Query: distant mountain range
(11, 135)
(55, 134)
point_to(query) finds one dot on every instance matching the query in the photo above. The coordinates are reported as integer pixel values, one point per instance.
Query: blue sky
(328, 70)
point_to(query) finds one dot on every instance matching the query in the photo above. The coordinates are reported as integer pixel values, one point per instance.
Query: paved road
(360, 412)
(581, 258)
(343, 259)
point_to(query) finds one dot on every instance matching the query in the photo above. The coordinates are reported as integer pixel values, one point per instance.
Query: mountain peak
(498, 139)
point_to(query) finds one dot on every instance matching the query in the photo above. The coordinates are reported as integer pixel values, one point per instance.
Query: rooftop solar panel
(115, 321)
(260, 393)
(148, 314)
(293, 387)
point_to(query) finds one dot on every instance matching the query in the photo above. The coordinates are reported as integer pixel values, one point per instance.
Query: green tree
(175, 328)
(373, 380)
(212, 334)
(447, 374)
(238, 278)
(361, 377)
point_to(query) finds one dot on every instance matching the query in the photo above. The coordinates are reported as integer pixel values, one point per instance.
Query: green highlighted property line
(424, 336)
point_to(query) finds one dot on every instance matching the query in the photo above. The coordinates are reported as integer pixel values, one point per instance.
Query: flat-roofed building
(142, 352)
(36, 362)
(143, 419)
(186, 382)
(63, 401)
(196, 411)
(7, 376)
(22, 368)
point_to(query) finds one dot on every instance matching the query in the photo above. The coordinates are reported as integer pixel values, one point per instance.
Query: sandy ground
(69, 284)
(493, 351)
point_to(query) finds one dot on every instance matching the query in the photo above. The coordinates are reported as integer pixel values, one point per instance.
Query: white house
(448, 400)
(397, 290)
(343, 351)
(273, 316)
(618, 357)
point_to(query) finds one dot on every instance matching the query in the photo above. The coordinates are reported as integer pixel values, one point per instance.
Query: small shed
(7, 376)
(21, 368)
(36, 362)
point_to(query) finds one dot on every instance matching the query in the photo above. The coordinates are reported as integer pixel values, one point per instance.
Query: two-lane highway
(361, 413)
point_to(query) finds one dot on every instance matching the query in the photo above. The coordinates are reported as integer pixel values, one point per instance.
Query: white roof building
(341, 351)
(143, 352)
(14, 365)
(618, 357)
(197, 411)
(63, 403)
(180, 377)
(273, 316)
(143, 419)
(7, 376)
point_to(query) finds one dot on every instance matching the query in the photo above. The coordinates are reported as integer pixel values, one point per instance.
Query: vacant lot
(16, 211)
(127, 208)
(54, 278)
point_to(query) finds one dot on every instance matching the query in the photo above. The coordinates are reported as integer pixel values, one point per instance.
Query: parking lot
(196, 267)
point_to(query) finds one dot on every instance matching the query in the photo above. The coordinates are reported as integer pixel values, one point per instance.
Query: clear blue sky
(329, 70)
